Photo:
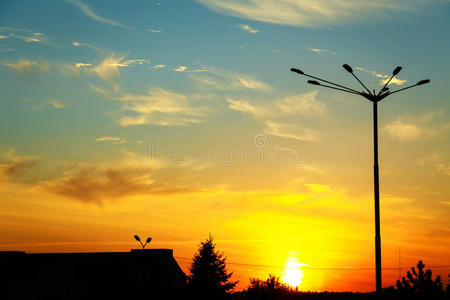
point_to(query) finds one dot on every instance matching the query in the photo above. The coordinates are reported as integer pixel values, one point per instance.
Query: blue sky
(87, 86)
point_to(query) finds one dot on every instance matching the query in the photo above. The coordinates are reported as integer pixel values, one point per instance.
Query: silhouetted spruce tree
(209, 277)
(420, 284)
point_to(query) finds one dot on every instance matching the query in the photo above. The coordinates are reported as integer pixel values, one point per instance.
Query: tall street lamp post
(374, 98)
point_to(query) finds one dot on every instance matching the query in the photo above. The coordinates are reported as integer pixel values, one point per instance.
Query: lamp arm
(335, 88)
(408, 87)
(379, 93)
(361, 83)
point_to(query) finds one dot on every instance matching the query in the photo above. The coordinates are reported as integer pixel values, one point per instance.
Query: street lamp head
(396, 71)
(348, 68)
(297, 71)
(313, 82)
(149, 239)
(425, 81)
(136, 237)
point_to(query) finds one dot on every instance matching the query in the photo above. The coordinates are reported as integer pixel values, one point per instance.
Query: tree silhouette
(271, 288)
(420, 283)
(210, 278)
(272, 283)
(447, 289)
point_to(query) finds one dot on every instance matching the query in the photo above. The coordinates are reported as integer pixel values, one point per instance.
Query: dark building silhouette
(153, 273)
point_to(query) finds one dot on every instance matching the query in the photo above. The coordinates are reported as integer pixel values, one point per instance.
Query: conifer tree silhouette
(210, 278)
(420, 283)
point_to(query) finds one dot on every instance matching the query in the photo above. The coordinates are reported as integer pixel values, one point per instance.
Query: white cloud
(432, 124)
(154, 30)
(76, 44)
(26, 35)
(113, 139)
(24, 65)
(384, 77)
(290, 131)
(403, 131)
(394, 80)
(108, 69)
(157, 120)
(248, 29)
(81, 65)
(13, 167)
(309, 13)
(246, 107)
(272, 114)
(158, 66)
(321, 51)
(56, 104)
(160, 107)
(250, 83)
(90, 13)
(99, 90)
(180, 69)
(437, 162)
(223, 79)
(207, 82)
(300, 104)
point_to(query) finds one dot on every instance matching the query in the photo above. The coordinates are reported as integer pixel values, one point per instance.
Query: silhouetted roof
(72, 275)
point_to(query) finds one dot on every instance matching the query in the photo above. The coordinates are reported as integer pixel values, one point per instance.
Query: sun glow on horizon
(292, 274)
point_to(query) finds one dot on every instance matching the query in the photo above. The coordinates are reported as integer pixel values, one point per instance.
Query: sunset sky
(176, 119)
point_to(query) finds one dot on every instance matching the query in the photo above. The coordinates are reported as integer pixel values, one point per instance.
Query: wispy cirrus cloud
(87, 10)
(108, 69)
(246, 107)
(224, 79)
(25, 35)
(300, 104)
(22, 66)
(13, 167)
(154, 30)
(290, 131)
(248, 29)
(113, 139)
(403, 131)
(435, 160)
(157, 107)
(158, 67)
(161, 107)
(56, 104)
(94, 183)
(383, 77)
(97, 184)
(180, 69)
(420, 127)
(317, 13)
(272, 114)
(321, 51)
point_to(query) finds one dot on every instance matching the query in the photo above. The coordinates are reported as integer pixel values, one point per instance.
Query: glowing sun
(292, 274)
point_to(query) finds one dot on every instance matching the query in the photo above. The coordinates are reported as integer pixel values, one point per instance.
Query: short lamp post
(374, 98)
(137, 238)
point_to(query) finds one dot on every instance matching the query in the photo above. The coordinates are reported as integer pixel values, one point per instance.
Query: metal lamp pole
(374, 98)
